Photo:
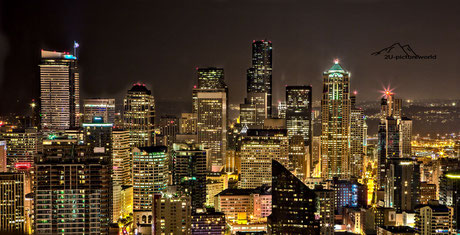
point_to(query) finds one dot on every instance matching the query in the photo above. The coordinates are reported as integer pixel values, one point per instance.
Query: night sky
(161, 43)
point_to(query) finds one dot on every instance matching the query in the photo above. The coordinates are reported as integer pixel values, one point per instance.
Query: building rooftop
(154, 149)
(138, 87)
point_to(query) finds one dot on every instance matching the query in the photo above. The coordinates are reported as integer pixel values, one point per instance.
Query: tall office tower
(405, 129)
(449, 194)
(388, 146)
(326, 198)
(298, 122)
(188, 123)
(172, 214)
(209, 222)
(150, 176)
(139, 115)
(169, 127)
(358, 141)
(259, 76)
(251, 205)
(210, 104)
(402, 188)
(72, 193)
(98, 107)
(294, 205)
(434, 219)
(121, 159)
(189, 168)
(390, 106)
(23, 145)
(258, 149)
(254, 110)
(3, 154)
(59, 91)
(335, 123)
(12, 214)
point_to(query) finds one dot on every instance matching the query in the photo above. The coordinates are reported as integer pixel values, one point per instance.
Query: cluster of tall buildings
(99, 168)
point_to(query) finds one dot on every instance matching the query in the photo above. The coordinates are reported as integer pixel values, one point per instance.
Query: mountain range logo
(398, 51)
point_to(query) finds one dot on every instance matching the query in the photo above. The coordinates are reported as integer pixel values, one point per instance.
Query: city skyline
(299, 56)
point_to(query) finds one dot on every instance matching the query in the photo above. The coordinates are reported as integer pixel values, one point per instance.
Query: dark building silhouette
(294, 205)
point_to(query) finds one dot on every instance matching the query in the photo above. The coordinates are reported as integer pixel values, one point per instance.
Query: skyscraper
(294, 205)
(59, 91)
(335, 122)
(150, 176)
(298, 123)
(139, 115)
(121, 159)
(259, 76)
(189, 168)
(358, 140)
(12, 214)
(98, 107)
(210, 104)
(405, 129)
(254, 110)
(434, 219)
(258, 149)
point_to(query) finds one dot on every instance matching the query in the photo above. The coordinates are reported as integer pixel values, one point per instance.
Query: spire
(336, 66)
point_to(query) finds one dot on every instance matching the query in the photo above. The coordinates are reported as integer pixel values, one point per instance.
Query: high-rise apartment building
(259, 76)
(12, 196)
(335, 122)
(139, 115)
(59, 91)
(258, 148)
(294, 205)
(98, 107)
(210, 104)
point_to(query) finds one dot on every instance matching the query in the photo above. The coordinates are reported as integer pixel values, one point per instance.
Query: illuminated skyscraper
(189, 168)
(335, 122)
(210, 104)
(59, 91)
(358, 140)
(294, 205)
(98, 107)
(405, 129)
(258, 149)
(139, 115)
(298, 123)
(168, 127)
(390, 106)
(434, 219)
(388, 146)
(12, 215)
(3, 154)
(121, 160)
(259, 76)
(150, 176)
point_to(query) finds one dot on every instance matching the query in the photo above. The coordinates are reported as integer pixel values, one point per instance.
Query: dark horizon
(174, 38)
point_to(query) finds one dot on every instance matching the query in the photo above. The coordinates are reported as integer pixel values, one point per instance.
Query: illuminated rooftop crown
(336, 67)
